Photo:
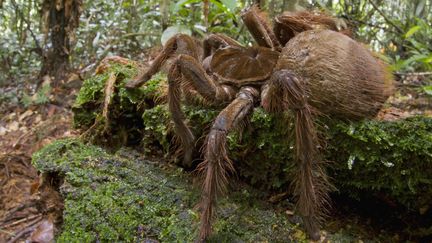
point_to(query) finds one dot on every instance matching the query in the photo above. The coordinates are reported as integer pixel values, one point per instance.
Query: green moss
(123, 124)
(122, 197)
(156, 123)
(390, 157)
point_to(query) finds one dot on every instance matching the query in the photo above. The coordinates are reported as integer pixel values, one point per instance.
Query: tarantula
(304, 65)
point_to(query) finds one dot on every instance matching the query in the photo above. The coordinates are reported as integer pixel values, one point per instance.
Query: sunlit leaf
(181, 3)
(96, 40)
(412, 31)
(173, 30)
(230, 4)
(428, 89)
(224, 8)
(428, 59)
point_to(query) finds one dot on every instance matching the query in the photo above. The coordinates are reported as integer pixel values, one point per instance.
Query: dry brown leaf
(13, 126)
(10, 117)
(3, 130)
(51, 110)
(38, 119)
(44, 233)
(25, 114)
(109, 93)
(34, 186)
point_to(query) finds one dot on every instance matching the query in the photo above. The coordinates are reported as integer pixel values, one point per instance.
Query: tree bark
(260, 3)
(61, 20)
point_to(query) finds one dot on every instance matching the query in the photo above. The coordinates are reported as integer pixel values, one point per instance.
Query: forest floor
(27, 212)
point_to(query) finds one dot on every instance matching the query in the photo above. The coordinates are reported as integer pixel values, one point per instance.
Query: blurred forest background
(58, 37)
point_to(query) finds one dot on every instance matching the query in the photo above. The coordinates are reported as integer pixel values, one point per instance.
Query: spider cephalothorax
(305, 65)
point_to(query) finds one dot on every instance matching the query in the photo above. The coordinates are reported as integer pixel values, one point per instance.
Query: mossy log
(124, 198)
(368, 157)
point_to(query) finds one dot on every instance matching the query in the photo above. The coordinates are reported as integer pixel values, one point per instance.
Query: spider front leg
(187, 72)
(216, 41)
(178, 44)
(282, 92)
(259, 27)
(288, 25)
(216, 164)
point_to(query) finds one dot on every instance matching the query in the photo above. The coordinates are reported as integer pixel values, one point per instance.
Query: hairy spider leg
(216, 41)
(178, 44)
(288, 25)
(189, 74)
(285, 91)
(216, 165)
(257, 23)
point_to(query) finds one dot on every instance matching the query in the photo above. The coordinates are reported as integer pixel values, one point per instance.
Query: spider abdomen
(341, 77)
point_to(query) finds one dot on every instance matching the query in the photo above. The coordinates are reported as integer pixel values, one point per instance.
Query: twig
(39, 50)
(138, 34)
(401, 31)
(25, 231)
(206, 12)
(358, 21)
(12, 211)
(23, 220)
(385, 17)
(7, 232)
(414, 73)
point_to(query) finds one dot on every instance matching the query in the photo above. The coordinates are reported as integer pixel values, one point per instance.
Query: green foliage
(428, 89)
(39, 98)
(18, 45)
(108, 199)
(186, 16)
(419, 51)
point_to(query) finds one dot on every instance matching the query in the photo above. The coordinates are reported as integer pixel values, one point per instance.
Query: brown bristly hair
(214, 172)
(264, 21)
(297, 22)
(285, 91)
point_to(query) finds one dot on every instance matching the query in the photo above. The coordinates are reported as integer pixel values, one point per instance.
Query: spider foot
(187, 158)
(312, 228)
(137, 82)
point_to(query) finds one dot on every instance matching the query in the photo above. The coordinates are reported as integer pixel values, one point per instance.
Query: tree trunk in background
(260, 3)
(295, 5)
(164, 5)
(61, 18)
